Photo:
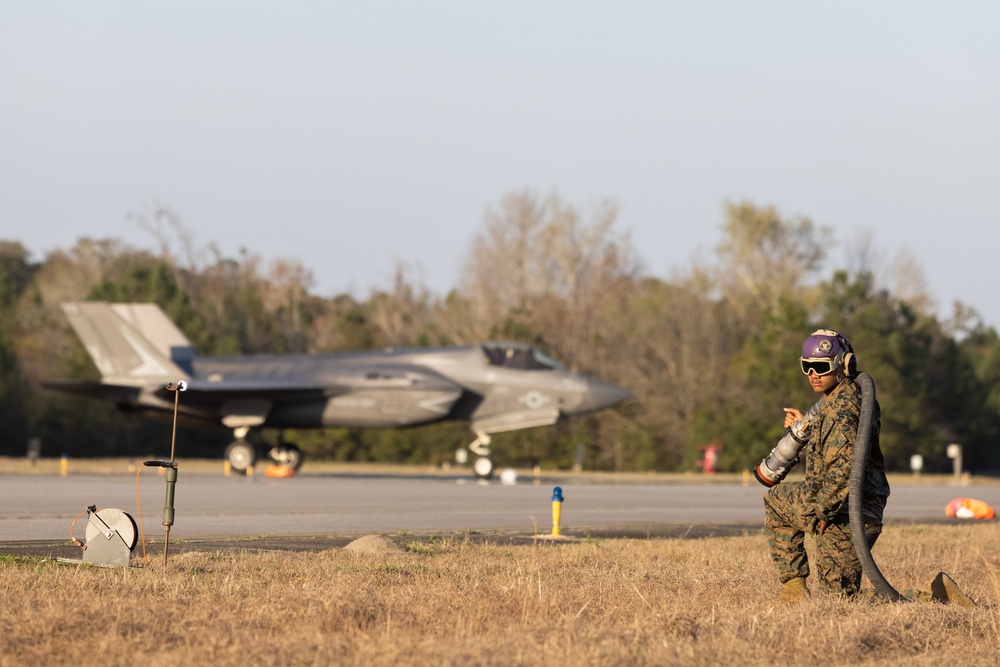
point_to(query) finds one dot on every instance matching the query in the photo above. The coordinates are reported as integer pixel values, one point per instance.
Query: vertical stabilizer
(132, 344)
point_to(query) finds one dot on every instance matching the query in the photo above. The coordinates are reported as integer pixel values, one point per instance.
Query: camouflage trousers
(836, 561)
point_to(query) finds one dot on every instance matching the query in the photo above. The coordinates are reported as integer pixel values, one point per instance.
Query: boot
(944, 589)
(794, 590)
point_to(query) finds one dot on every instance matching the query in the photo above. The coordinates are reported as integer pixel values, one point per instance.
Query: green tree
(977, 375)
(147, 279)
(16, 273)
(765, 259)
(917, 370)
(763, 377)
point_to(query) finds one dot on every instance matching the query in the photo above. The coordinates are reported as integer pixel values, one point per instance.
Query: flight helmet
(827, 351)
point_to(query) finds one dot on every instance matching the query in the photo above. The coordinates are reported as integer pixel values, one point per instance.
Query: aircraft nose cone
(606, 395)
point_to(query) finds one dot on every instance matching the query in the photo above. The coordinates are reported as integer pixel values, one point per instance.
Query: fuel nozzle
(776, 465)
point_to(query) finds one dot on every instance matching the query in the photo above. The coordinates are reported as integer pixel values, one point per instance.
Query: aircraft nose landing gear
(483, 465)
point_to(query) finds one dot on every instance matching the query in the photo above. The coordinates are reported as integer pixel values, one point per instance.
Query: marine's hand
(821, 526)
(792, 415)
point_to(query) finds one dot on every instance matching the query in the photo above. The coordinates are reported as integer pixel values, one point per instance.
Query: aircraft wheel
(241, 455)
(295, 457)
(288, 455)
(483, 467)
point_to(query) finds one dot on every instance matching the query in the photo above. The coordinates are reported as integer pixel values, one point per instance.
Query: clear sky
(352, 136)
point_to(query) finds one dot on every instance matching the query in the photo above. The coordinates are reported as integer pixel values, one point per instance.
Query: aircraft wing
(198, 391)
(279, 389)
(107, 392)
(249, 402)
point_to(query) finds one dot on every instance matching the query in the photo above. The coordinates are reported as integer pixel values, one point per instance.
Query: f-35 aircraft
(495, 386)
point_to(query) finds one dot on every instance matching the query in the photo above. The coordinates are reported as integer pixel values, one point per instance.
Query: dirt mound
(374, 544)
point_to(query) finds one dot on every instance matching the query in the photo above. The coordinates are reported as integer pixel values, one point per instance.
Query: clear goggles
(819, 365)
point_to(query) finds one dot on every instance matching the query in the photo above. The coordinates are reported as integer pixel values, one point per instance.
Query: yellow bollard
(557, 501)
(746, 477)
(64, 465)
(227, 468)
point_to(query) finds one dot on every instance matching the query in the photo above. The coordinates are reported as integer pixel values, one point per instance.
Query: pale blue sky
(353, 136)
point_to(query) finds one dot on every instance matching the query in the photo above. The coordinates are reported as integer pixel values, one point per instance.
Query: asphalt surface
(324, 510)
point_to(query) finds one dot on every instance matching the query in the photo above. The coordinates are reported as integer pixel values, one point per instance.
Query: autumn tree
(765, 258)
(401, 314)
(536, 254)
(542, 272)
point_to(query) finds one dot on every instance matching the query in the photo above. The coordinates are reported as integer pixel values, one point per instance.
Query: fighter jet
(496, 387)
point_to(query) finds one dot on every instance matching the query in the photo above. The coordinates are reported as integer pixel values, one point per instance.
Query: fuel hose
(856, 496)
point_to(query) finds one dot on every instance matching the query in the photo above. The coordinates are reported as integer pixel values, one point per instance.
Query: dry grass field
(384, 601)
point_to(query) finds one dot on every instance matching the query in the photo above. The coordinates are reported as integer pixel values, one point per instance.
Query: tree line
(710, 354)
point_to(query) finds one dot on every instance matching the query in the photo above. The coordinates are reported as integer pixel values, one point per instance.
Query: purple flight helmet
(826, 351)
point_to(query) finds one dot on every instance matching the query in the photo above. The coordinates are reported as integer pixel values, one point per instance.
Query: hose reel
(111, 536)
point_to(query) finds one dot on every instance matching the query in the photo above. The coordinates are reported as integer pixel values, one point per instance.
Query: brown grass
(460, 602)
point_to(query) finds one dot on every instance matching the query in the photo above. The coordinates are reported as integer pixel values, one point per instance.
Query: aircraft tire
(483, 467)
(291, 456)
(295, 457)
(241, 455)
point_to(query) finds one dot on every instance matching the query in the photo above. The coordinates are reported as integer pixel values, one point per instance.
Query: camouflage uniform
(792, 509)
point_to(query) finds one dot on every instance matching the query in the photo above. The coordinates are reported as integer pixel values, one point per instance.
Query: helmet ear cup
(850, 364)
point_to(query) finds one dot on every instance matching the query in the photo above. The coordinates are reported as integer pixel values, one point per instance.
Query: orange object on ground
(969, 508)
(279, 471)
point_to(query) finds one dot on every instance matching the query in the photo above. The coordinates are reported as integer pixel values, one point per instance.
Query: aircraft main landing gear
(287, 454)
(242, 455)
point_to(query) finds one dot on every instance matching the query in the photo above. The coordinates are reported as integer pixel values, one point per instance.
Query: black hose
(856, 496)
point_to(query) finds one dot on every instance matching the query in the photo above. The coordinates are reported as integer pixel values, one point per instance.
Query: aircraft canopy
(519, 356)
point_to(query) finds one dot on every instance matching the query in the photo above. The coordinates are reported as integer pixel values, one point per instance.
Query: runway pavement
(40, 508)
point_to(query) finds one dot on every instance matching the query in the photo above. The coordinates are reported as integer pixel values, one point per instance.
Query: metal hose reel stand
(112, 533)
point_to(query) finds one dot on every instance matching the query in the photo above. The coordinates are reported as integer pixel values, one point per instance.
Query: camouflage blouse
(830, 452)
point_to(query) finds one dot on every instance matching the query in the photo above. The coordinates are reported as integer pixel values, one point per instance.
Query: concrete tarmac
(42, 507)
